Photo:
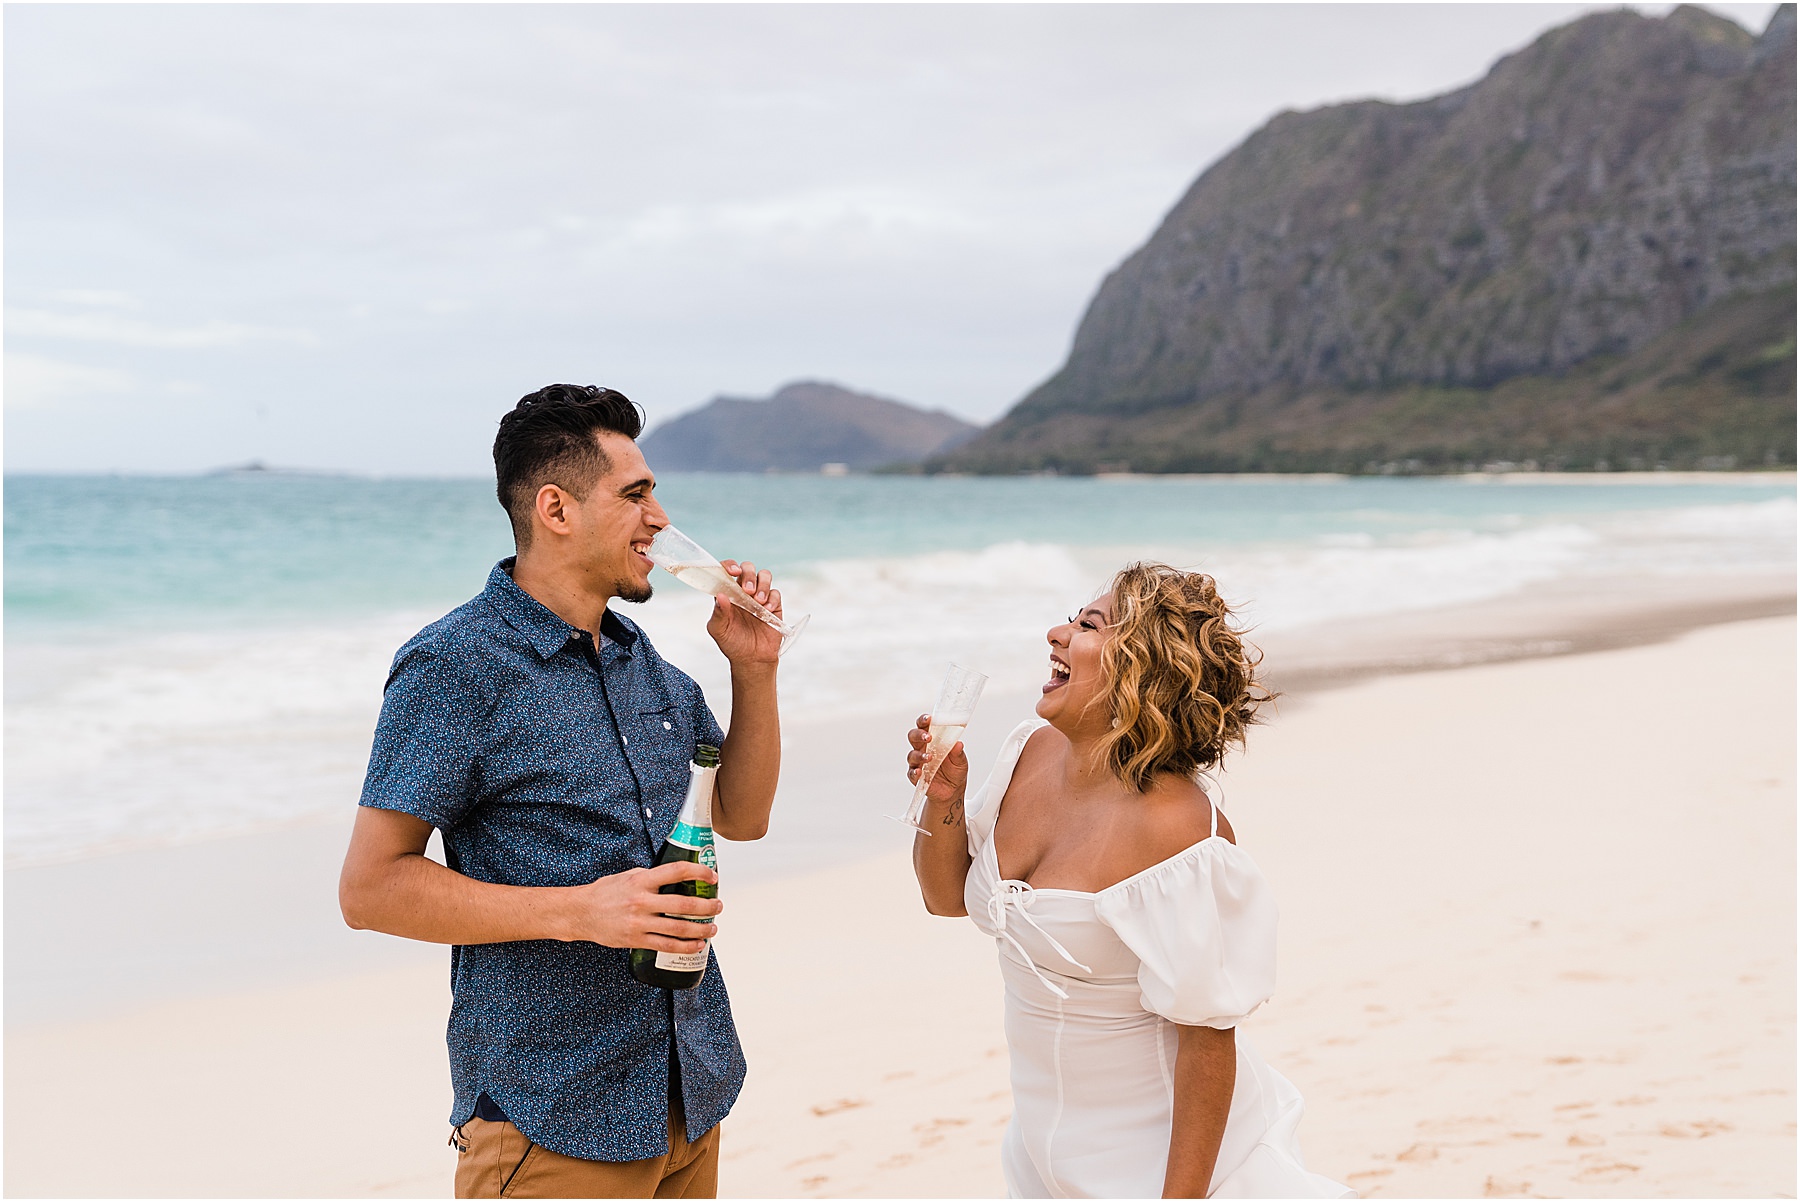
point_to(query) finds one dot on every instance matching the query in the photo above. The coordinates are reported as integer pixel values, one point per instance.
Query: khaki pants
(495, 1160)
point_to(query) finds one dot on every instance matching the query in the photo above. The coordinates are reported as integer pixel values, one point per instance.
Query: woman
(1134, 934)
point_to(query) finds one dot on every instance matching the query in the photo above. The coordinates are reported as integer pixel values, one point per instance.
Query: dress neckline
(994, 855)
(993, 839)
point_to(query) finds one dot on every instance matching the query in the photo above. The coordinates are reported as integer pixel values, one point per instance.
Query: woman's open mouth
(1059, 675)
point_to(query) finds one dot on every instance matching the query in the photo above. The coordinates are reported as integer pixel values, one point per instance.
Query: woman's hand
(952, 779)
(941, 862)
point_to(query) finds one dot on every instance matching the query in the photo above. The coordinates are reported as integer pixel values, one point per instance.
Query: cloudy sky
(350, 236)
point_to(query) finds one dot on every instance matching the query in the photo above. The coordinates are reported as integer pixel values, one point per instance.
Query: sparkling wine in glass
(687, 561)
(949, 718)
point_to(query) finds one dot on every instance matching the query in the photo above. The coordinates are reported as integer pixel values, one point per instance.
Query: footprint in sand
(1367, 1181)
(1505, 1187)
(1695, 1130)
(1610, 1173)
(842, 1104)
(932, 1133)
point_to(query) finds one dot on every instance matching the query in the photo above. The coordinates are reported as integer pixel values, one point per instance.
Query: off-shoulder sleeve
(983, 807)
(1203, 925)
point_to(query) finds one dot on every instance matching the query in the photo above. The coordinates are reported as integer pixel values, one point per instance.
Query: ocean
(190, 657)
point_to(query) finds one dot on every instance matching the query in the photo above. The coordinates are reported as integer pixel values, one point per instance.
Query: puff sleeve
(1202, 924)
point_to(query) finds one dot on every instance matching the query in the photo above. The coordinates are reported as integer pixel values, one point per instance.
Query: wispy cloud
(97, 298)
(34, 382)
(128, 331)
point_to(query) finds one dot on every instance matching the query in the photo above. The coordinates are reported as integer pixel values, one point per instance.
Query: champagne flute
(949, 717)
(687, 561)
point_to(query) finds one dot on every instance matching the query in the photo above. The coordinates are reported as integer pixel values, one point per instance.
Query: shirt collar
(546, 632)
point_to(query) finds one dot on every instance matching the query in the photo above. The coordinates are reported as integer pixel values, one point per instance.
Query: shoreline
(1760, 476)
(1564, 617)
(1568, 616)
(175, 941)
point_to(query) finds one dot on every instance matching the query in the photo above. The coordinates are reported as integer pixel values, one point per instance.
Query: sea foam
(153, 736)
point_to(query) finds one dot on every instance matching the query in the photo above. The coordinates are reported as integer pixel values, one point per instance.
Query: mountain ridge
(803, 426)
(1591, 195)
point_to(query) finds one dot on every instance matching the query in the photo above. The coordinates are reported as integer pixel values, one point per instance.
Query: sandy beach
(1538, 940)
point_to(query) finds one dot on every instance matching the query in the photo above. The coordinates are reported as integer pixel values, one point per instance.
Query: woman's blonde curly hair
(1180, 681)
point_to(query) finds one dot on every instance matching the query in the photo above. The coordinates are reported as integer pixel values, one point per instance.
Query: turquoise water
(149, 552)
(198, 656)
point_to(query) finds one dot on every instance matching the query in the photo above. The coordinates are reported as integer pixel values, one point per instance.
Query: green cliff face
(1587, 256)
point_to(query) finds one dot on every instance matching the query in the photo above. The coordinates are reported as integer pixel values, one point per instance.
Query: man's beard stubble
(632, 591)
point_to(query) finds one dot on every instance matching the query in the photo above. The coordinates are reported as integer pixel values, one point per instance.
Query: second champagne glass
(949, 717)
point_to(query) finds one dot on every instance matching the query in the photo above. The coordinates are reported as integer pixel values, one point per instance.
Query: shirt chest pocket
(664, 742)
(665, 728)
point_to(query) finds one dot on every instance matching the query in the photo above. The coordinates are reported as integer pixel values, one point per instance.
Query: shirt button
(667, 726)
(649, 814)
(624, 740)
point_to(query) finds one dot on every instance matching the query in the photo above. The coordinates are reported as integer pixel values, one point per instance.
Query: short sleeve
(1202, 923)
(423, 761)
(983, 806)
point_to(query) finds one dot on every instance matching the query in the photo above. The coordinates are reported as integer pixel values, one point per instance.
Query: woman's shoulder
(1178, 851)
(1173, 814)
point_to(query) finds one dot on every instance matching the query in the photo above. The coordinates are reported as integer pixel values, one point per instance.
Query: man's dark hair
(548, 438)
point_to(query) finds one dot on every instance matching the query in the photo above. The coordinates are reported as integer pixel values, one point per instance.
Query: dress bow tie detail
(1016, 897)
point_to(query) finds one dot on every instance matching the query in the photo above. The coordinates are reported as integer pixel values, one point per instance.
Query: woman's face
(1072, 696)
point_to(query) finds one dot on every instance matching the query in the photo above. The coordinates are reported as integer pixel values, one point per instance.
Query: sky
(348, 237)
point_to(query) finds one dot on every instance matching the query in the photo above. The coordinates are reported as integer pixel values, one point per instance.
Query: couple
(541, 733)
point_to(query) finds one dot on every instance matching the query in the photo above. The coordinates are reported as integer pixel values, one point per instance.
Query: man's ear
(550, 508)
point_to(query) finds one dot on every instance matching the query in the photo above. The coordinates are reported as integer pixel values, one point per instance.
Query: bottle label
(683, 961)
(694, 838)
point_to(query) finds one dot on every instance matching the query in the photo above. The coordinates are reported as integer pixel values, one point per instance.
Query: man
(547, 740)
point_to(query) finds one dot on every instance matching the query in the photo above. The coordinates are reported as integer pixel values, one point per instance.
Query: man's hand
(742, 636)
(626, 909)
(389, 885)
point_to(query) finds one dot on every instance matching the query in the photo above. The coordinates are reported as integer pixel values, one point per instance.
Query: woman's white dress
(1095, 985)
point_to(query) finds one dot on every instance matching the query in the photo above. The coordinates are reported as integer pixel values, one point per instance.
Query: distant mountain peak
(803, 427)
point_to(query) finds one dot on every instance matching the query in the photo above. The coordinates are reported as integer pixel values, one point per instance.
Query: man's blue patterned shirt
(546, 761)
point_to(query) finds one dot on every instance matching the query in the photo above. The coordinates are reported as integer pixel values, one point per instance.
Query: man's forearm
(389, 885)
(750, 761)
(415, 897)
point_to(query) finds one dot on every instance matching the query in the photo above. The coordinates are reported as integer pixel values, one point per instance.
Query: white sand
(1538, 938)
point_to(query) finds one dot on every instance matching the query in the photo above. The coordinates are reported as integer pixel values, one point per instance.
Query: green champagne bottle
(692, 841)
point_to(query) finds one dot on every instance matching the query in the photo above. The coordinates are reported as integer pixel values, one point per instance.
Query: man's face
(614, 525)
